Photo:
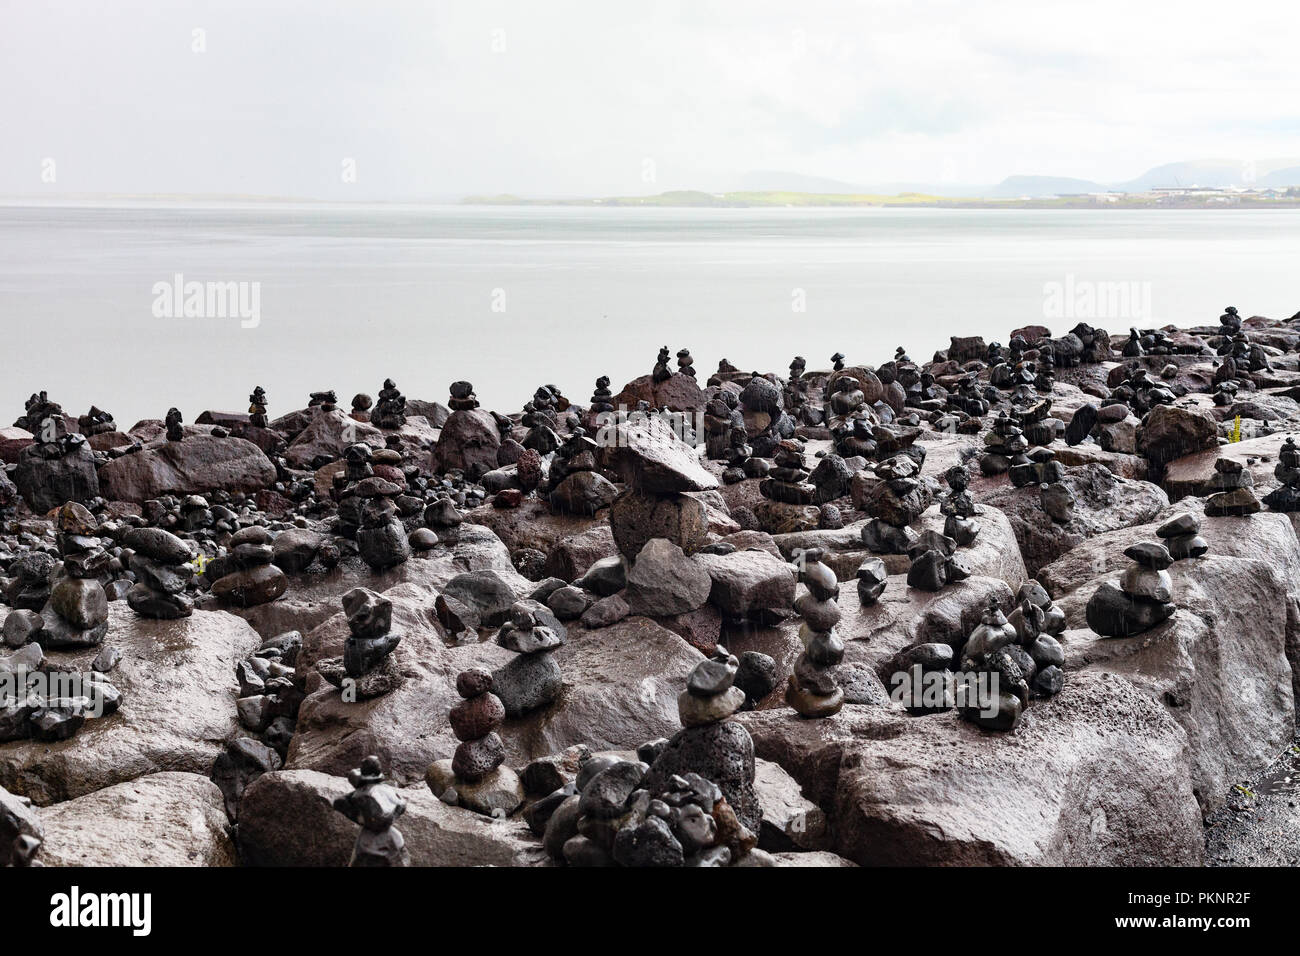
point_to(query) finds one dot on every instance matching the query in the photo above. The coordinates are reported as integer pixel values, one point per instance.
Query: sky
(439, 100)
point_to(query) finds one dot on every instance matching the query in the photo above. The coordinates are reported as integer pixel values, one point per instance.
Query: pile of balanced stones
(1231, 491)
(366, 669)
(958, 507)
(475, 777)
(376, 806)
(897, 501)
(1286, 497)
(390, 410)
(77, 614)
(163, 573)
(257, 408)
(1141, 599)
(1182, 536)
(813, 690)
(1013, 659)
(253, 578)
(532, 679)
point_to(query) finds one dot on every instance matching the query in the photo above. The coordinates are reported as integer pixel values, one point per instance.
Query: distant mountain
(1281, 179)
(1039, 187)
(1214, 173)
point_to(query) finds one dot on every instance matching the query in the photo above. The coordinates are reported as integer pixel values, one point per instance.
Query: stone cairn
(837, 361)
(257, 408)
(381, 537)
(760, 402)
(685, 364)
(361, 405)
(602, 401)
(77, 615)
(376, 806)
(59, 466)
(935, 562)
(366, 667)
(1004, 446)
(1231, 491)
(356, 468)
(958, 507)
(532, 679)
(1020, 660)
(476, 777)
(813, 690)
(96, 422)
(462, 397)
(661, 372)
(1142, 598)
(574, 486)
(255, 579)
(1181, 535)
(711, 694)
(390, 410)
(845, 403)
(895, 503)
(326, 400)
(161, 564)
(1286, 497)
(872, 576)
(722, 416)
(787, 481)
(174, 426)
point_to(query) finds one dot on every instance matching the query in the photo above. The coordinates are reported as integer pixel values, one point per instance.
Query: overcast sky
(444, 99)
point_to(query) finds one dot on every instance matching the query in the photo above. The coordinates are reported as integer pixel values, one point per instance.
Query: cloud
(571, 97)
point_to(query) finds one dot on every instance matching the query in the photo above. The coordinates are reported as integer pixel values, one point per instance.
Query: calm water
(351, 294)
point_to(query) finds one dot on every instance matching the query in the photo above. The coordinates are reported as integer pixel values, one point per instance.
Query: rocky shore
(1024, 602)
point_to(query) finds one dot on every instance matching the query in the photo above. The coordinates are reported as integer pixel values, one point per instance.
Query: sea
(137, 307)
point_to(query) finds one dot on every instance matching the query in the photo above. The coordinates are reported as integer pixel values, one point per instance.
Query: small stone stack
(1286, 497)
(532, 679)
(711, 694)
(601, 399)
(257, 408)
(59, 466)
(476, 777)
(173, 423)
(381, 537)
(845, 402)
(722, 417)
(574, 486)
(1004, 446)
(1181, 535)
(813, 690)
(661, 372)
(872, 577)
(760, 401)
(160, 562)
(993, 650)
(77, 615)
(361, 405)
(1231, 491)
(376, 806)
(685, 364)
(1141, 599)
(325, 401)
(787, 482)
(739, 456)
(959, 507)
(462, 397)
(858, 439)
(1230, 322)
(366, 669)
(935, 562)
(837, 361)
(895, 504)
(255, 579)
(96, 422)
(390, 410)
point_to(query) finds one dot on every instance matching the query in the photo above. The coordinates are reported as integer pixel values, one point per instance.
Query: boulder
(163, 819)
(664, 581)
(177, 680)
(468, 442)
(196, 465)
(47, 483)
(747, 582)
(938, 790)
(650, 457)
(287, 819)
(1171, 432)
(326, 434)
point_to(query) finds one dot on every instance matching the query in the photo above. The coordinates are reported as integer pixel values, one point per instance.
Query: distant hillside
(770, 181)
(1036, 187)
(1281, 179)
